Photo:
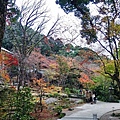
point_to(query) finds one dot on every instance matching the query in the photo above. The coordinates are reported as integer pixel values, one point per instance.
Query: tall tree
(27, 32)
(103, 28)
(105, 31)
(63, 69)
(3, 12)
(8, 12)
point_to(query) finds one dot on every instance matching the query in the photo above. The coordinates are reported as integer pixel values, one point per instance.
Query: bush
(22, 102)
(58, 110)
(56, 95)
(50, 95)
(75, 91)
(67, 91)
(62, 115)
(65, 106)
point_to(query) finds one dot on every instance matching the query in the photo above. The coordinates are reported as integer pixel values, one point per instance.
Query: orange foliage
(85, 79)
(39, 60)
(10, 60)
(5, 76)
(52, 89)
(6, 60)
(39, 82)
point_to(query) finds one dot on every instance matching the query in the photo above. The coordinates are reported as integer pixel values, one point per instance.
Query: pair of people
(90, 97)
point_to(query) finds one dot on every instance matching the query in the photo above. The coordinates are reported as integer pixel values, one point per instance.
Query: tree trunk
(116, 78)
(118, 84)
(22, 74)
(3, 12)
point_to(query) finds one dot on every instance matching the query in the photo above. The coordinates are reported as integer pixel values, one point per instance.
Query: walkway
(86, 111)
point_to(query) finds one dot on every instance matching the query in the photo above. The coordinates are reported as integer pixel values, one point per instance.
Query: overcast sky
(69, 20)
(51, 5)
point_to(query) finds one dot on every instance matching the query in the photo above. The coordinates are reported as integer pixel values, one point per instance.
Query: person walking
(94, 97)
(91, 99)
(87, 96)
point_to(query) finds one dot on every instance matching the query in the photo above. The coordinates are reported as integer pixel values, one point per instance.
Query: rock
(71, 109)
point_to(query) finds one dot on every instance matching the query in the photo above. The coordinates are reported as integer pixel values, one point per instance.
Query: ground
(47, 114)
(44, 115)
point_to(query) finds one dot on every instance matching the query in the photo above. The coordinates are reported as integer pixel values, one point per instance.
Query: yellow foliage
(52, 89)
(104, 19)
(53, 66)
(39, 82)
(115, 29)
(5, 76)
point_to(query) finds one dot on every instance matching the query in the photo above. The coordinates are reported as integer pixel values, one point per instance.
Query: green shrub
(21, 105)
(50, 95)
(67, 91)
(56, 95)
(58, 110)
(75, 91)
(65, 106)
(62, 115)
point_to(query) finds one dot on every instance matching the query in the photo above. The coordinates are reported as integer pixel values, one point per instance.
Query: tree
(7, 9)
(16, 104)
(76, 5)
(101, 87)
(3, 13)
(102, 28)
(68, 32)
(86, 81)
(68, 50)
(27, 33)
(39, 84)
(7, 60)
(63, 69)
(50, 46)
(68, 72)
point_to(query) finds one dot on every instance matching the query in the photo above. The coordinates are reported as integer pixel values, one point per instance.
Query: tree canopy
(8, 12)
(103, 27)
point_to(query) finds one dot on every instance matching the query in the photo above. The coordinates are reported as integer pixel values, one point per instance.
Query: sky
(69, 21)
(54, 8)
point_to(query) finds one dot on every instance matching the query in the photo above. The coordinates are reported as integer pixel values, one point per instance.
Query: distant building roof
(6, 50)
